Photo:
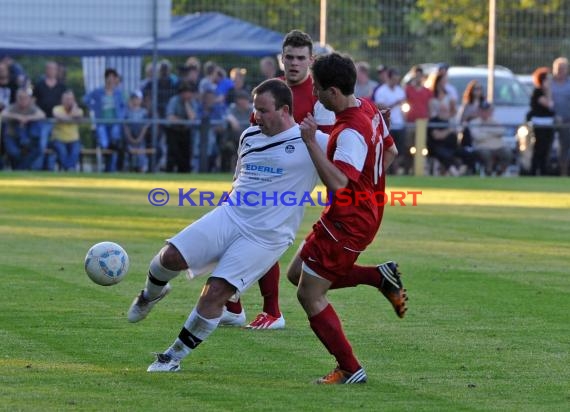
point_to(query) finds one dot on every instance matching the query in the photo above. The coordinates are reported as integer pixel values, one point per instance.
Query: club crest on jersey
(289, 148)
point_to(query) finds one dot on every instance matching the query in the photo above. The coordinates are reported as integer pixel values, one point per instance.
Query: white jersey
(273, 175)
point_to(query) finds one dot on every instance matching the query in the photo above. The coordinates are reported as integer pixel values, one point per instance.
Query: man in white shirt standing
(391, 95)
(241, 239)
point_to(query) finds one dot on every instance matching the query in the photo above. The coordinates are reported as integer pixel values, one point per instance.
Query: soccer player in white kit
(241, 239)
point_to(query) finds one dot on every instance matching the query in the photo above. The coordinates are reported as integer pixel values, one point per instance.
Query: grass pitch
(486, 263)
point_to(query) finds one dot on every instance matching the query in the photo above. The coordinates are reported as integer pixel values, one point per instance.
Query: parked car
(526, 80)
(511, 97)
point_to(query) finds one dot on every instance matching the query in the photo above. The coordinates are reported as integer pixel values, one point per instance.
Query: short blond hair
(560, 61)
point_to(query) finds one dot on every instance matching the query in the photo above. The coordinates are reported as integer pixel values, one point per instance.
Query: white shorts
(215, 244)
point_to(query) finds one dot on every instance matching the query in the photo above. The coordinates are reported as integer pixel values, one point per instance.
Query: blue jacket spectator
(107, 104)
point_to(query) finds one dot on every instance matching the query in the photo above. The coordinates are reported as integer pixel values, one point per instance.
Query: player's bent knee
(304, 295)
(172, 259)
(293, 276)
(294, 270)
(218, 290)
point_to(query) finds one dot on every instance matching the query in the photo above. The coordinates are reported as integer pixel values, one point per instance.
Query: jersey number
(378, 149)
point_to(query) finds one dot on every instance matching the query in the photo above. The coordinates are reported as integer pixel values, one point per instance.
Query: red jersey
(304, 102)
(356, 146)
(418, 99)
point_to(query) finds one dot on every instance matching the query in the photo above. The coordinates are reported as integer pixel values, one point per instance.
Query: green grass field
(486, 264)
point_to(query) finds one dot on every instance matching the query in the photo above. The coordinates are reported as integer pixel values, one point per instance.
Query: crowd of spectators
(463, 135)
(202, 109)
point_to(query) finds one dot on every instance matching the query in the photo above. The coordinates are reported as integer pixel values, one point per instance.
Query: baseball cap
(137, 93)
(443, 66)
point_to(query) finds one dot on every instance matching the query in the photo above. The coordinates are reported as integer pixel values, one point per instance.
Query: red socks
(359, 275)
(269, 288)
(328, 329)
(234, 307)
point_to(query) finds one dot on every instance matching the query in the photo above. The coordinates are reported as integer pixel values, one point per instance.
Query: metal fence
(400, 33)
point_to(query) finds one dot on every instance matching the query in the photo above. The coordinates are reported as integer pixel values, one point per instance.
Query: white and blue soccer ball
(106, 263)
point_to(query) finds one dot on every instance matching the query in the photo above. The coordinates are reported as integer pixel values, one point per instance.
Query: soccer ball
(106, 263)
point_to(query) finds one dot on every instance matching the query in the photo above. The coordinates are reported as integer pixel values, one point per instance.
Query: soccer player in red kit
(354, 163)
(297, 56)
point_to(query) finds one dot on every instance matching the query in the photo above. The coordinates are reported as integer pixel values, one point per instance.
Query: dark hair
(417, 68)
(438, 79)
(468, 96)
(298, 38)
(393, 72)
(279, 90)
(187, 87)
(111, 72)
(335, 70)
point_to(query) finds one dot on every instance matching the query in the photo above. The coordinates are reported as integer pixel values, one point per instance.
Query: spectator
(449, 88)
(224, 85)
(238, 119)
(23, 130)
(441, 96)
(108, 106)
(212, 116)
(210, 79)
(417, 97)
(391, 95)
(214, 79)
(237, 75)
(364, 85)
(561, 96)
(488, 143)
(167, 85)
(442, 140)
(146, 81)
(382, 72)
(193, 61)
(542, 117)
(181, 107)
(8, 88)
(7, 96)
(17, 73)
(268, 68)
(473, 96)
(65, 133)
(135, 130)
(188, 74)
(48, 92)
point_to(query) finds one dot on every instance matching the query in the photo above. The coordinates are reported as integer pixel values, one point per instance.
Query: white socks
(158, 277)
(196, 329)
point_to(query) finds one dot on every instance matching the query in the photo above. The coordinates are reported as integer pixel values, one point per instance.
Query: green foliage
(469, 19)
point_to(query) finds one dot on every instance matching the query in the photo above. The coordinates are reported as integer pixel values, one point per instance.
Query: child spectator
(135, 132)
(65, 133)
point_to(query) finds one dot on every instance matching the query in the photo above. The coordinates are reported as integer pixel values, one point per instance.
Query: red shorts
(327, 256)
